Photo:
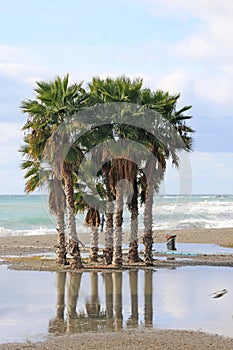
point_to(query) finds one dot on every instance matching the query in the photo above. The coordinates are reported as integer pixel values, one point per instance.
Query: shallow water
(35, 304)
(196, 248)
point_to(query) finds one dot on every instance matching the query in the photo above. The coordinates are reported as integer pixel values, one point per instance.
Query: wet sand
(130, 340)
(38, 244)
(147, 339)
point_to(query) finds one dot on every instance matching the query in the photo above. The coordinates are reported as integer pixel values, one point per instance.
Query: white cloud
(12, 181)
(177, 80)
(202, 60)
(24, 65)
(218, 89)
(211, 173)
(18, 70)
(11, 137)
(206, 9)
(10, 132)
(14, 53)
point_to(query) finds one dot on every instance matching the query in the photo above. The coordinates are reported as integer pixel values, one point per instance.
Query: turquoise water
(22, 215)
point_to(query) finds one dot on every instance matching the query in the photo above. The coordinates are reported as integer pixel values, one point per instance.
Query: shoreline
(154, 338)
(10, 245)
(129, 340)
(18, 251)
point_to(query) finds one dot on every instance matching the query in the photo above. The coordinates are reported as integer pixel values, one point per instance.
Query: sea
(29, 214)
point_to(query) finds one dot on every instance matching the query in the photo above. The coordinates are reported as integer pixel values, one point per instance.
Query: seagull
(219, 293)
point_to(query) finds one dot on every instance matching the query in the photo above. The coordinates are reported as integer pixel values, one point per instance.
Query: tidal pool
(35, 304)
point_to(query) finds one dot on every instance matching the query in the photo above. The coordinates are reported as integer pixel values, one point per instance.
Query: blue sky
(174, 45)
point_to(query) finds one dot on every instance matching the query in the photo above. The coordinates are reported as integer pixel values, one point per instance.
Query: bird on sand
(219, 293)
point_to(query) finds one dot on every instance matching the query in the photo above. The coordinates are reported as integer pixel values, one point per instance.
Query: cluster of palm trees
(138, 130)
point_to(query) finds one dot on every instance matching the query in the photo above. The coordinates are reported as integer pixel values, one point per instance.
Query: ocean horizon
(29, 214)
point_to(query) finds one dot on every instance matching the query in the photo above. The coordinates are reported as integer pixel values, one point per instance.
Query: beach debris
(219, 293)
(171, 242)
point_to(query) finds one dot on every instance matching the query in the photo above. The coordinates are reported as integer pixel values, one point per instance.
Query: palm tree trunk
(57, 207)
(73, 245)
(148, 215)
(94, 244)
(133, 239)
(108, 250)
(117, 252)
(61, 244)
(148, 222)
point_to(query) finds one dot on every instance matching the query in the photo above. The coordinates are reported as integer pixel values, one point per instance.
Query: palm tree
(133, 207)
(108, 250)
(107, 91)
(95, 135)
(36, 177)
(57, 205)
(152, 180)
(118, 220)
(55, 103)
(178, 137)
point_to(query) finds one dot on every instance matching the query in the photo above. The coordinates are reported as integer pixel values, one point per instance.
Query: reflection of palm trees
(109, 300)
(57, 325)
(117, 299)
(133, 280)
(93, 306)
(92, 316)
(148, 295)
(74, 282)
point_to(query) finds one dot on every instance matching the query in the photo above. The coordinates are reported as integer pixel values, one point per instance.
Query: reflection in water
(175, 299)
(133, 280)
(113, 300)
(148, 295)
(117, 300)
(73, 286)
(57, 324)
(109, 300)
(95, 314)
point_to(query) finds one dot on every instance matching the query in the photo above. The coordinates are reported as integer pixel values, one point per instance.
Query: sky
(178, 46)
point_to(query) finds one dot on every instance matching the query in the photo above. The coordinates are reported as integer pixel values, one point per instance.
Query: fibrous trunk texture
(148, 236)
(148, 214)
(133, 239)
(61, 244)
(108, 250)
(118, 220)
(73, 244)
(94, 244)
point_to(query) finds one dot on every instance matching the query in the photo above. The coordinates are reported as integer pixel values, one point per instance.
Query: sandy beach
(45, 243)
(157, 339)
(130, 340)
(19, 246)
